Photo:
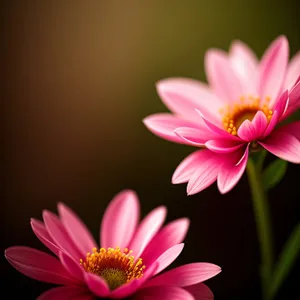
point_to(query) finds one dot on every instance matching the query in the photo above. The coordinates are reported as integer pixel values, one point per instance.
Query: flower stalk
(263, 223)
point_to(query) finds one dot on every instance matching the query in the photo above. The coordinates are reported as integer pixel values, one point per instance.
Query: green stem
(261, 159)
(263, 224)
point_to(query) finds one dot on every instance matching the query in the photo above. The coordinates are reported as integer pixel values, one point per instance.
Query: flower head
(131, 256)
(238, 112)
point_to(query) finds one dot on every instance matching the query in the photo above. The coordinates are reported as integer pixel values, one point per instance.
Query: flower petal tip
(61, 207)
(129, 192)
(163, 209)
(181, 246)
(60, 204)
(214, 268)
(160, 84)
(5, 253)
(175, 180)
(10, 252)
(46, 213)
(223, 190)
(218, 268)
(148, 121)
(145, 120)
(193, 189)
(191, 193)
(199, 112)
(186, 222)
(283, 39)
(33, 221)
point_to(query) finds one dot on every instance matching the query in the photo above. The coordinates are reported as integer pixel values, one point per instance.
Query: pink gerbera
(239, 111)
(113, 271)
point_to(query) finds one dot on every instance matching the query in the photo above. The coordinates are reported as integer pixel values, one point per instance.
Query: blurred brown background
(79, 79)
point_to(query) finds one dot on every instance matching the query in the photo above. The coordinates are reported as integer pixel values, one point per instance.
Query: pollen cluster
(114, 265)
(234, 115)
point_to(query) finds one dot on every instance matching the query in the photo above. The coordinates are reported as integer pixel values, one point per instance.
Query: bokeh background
(80, 77)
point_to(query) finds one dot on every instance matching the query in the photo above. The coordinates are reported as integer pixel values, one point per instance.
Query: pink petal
(294, 96)
(186, 168)
(200, 291)
(221, 76)
(293, 71)
(282, 104)
(283, 145)
(170, 235)
(42, 234)
(73, 267)
(163, 125)
(168, 257)
(253, 130)
(193, 136)
(272, 69)
(247, 131)
(206, 172)
(38, 265)
(59, 234)
(96, 284)
(292, 129)
(223, 146)
(77, 230)
(131, 287)
(245, 66)
(183, 95)
(120, 220)
(232, 171)
(148, 228)
(186, 275)
(260, 123)
(164, 293)
(273, 122)
(218, 132)
(66, 292)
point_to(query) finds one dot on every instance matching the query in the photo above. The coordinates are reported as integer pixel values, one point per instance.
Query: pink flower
(237, 112)
(113, 271)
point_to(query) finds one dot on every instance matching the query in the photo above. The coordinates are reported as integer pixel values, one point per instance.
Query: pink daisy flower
(86, 271)
(238, 112)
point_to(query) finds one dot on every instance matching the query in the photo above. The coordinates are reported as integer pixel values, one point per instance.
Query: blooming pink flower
(113, 271)
(238, 111)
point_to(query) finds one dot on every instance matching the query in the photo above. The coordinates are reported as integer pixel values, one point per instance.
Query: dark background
(79, 78)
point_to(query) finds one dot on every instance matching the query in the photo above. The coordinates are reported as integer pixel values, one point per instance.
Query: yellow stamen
(114, 265)
(233, 116)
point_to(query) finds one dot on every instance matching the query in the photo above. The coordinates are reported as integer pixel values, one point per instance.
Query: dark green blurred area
(80, 77)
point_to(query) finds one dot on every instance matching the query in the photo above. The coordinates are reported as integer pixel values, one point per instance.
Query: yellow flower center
(114, 265)
(234, 115)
